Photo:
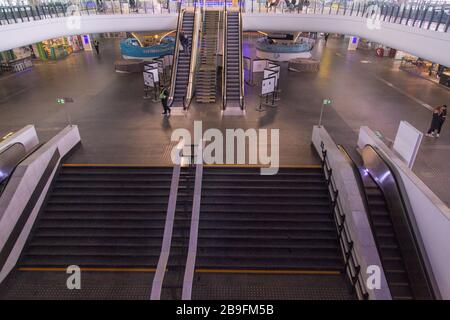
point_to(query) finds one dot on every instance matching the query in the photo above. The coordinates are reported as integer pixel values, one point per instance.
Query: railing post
(440, 19)
(433, 10)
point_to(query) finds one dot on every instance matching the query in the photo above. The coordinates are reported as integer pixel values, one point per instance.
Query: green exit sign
(326, 101)
(60, 101)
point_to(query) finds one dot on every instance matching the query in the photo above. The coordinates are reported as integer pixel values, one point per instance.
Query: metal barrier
(352, 266)
(433, 16)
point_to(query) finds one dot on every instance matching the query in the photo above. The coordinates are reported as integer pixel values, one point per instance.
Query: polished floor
(119, 127)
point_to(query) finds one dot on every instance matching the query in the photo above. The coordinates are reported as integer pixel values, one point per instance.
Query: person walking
(435, 122)
(164, 96)
(97, 46)
(184, 41)
(326, 37)
(442, 118)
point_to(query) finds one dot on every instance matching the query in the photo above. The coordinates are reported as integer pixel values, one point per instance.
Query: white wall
(21, 34)
(431, 214)
(430, 45)
(26, 136)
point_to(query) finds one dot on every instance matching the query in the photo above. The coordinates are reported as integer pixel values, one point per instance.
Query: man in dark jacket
(442, 118)
(164, 96)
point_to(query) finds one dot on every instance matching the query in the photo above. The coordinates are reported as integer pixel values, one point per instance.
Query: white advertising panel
(150, 65)
(259, 65)
(407, 142)
(155, 74)
(148, 79)
(268, 85)
(271, 73)
(247, 63)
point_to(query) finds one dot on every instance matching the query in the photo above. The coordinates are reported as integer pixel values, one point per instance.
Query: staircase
(184, 59)
(105, 219)
(206, 81)
(232, 58)
(387, 242)
(267, 237)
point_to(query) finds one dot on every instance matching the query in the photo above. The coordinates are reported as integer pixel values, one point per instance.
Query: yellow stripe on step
(148, 270)
(256, 271)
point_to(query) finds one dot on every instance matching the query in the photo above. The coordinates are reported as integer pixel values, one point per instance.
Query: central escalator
(268, 237)
(181, 71)
(233, 92)
(109, 221)
(206, 79)
(393, 226)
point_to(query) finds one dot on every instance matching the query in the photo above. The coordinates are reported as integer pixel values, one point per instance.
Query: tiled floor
(118, 126)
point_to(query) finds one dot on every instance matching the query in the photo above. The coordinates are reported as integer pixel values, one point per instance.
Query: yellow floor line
(90, 269)
(113, 165)
(287, 272)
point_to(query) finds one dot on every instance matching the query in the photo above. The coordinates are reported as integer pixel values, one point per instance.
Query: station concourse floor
(118, 126)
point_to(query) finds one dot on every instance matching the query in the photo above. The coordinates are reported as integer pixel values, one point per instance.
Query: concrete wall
(26, 136)
(431, 214)
(353, 207)
(430, 45)
(21, 187)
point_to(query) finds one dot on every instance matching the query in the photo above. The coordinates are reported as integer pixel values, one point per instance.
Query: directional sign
(326, 101)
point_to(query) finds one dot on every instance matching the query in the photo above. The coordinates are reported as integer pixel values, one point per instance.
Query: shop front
(425, 69)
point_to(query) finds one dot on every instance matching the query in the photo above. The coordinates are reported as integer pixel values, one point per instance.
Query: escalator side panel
(403, 222)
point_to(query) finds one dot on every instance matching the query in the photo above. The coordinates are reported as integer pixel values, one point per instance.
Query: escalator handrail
(10, 146)
(33, 150)
(188, 96)
(241, 61)
(410, 220)
(224, 57)
(359, 182)
(176, 54)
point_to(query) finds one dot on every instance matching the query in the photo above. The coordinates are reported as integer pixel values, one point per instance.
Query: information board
(407, 142)
(268, 85)
(259, 65)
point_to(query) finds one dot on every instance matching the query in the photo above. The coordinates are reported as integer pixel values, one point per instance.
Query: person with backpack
(164, 96)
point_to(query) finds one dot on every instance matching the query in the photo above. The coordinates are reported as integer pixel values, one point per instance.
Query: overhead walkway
(420, 29)
(406, 266)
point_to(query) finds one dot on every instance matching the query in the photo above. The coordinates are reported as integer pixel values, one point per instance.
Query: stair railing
(351, 264)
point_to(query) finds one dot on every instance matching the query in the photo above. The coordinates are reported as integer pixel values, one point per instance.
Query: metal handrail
(194, 58)
(241, 61)
(420, 16)
(351, 264)
(224, 60)
(175, 55)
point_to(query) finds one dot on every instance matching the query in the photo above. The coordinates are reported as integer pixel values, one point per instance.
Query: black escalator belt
(232, 64)
(184, 58)
(387, 242)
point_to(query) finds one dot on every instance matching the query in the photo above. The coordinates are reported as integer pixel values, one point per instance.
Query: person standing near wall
(436, 121)
(442, 118)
